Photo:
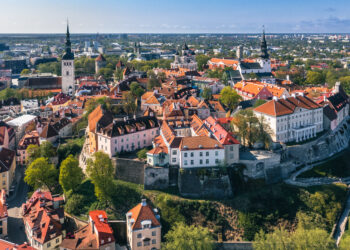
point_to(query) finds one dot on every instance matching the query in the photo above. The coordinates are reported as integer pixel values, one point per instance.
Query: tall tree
(229, 97)
(33, 152)
(188, 237)
(206, 93)
(41, 173)
(71, 175)
(202, 61)
(47, 150)
(101, 172)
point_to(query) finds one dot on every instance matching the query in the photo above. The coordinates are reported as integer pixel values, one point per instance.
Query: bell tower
(68, 77)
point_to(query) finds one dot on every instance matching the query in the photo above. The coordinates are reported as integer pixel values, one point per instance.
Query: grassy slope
(238, 218)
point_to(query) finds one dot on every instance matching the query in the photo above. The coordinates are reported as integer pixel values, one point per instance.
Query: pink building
(127, 135)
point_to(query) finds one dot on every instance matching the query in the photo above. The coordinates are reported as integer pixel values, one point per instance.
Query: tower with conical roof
(68, 76)
(264, 59)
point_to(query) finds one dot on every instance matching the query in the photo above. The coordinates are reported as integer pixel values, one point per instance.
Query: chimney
(287, 78)
(143, 202)
(284, 97)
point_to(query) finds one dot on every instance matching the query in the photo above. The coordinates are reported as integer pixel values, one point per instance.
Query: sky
(175, 16)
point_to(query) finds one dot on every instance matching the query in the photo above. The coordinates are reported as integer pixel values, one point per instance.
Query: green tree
(101, 172)
(136, 89)
(300, 239)
(142, 154)
(25, 72)
(229, 97)
(129, 103)
(344, 242)
(152, 83)
(71, 175)
(47, 150)
(258, 103)
(202, 61)
(345, 83)
(33, 152)
(247, 124)
(314, 78)
(188, 237)
(206, 93)
(41, 173)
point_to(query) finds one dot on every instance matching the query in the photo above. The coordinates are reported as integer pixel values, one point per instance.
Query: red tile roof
(223, 136)
(105, 232)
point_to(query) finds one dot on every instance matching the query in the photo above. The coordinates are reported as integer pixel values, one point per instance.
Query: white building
(292, 119)
(20, 123)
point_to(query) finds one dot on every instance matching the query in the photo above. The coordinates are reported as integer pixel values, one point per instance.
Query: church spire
(68, 54)
(263, 46)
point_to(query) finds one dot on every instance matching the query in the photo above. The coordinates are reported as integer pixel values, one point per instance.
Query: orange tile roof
(147, 95)
(286, 106)
(199, 143)
(94, 117)
(152, 100)
(143, 212)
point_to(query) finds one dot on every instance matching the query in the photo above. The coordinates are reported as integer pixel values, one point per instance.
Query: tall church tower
(264, 59)
(68, 77)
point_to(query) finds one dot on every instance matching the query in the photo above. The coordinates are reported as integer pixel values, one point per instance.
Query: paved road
(342, 222)
(16, 232)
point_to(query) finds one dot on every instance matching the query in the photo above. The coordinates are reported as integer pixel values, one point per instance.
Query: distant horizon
(174, 33)
(182, 16)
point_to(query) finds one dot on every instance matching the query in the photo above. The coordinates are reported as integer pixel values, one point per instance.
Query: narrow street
(16, 232)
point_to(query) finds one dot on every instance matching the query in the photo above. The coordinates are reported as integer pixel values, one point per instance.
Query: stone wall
(324, 147)
(156, 178)
(194, 185)
(129, 170)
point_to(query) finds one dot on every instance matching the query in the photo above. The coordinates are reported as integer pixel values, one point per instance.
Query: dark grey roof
(329, 113)
(114, 129)
(250, 65)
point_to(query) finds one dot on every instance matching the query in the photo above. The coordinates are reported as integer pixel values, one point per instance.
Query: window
(146, 243)
(201, 162)
(144, 141)
(231, 156)
(185, 162)
(154, 241)
(154, 233)
(139, 244)
(192, 162)
(191, 154)
(207, 161)
(231, 148)
(139, 236)
(216, 153)
(57, 240)
(185, 154)
(49, 244)
(200, 153)
(174, 152)
(173, 160)
(207, 153)
(216, 161)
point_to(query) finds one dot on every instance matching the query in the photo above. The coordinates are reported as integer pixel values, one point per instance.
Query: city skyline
(194, 16)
